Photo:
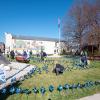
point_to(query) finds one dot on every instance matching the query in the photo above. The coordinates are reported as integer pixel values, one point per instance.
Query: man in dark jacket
(12, 54)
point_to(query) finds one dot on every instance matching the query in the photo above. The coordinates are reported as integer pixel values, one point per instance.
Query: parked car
(21, 58)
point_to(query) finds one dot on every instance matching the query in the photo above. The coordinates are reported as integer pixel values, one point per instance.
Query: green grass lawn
(70, 77)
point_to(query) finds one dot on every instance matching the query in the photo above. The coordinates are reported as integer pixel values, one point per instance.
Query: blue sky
(32, 17)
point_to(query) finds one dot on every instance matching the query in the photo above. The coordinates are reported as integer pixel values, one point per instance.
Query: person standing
(25, 54)
(84, 57)
(30, 53)
(12, 54)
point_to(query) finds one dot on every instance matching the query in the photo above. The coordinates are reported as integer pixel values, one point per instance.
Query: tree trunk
(81, 43)
(92, 50)
(99, 48)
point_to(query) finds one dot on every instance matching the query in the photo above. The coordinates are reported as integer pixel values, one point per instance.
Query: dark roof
(33, 38)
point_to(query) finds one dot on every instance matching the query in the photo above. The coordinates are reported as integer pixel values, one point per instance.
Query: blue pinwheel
(18, 90)
(26, 76)
(45, 67)
(97, 82)
(22, 78)
(66, 86)
(74, 86)
(13, 80)
(34, 68)
(3, 91)
(38, 70)
(83, 85)
(70, 86)
(12, 90)
(60, 88)
(31, 71)
(91, 83)
(42, 90)
(29, 74)
(51, 88)
(87, 84)
(78, 85)
(26, 91)
(35, 90)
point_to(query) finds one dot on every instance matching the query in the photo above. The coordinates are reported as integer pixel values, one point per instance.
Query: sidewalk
(18, 70)
(92, 97)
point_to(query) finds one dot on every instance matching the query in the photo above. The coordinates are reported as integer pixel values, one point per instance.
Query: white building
(36, 44)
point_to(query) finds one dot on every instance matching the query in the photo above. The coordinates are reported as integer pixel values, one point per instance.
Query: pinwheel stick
(35, 95)
(27, 96)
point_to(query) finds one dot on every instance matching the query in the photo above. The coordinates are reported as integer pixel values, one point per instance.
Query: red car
(20, 58)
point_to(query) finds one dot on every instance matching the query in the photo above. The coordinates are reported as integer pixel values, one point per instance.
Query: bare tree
(77, 24)
(83, 22)
(92, 17)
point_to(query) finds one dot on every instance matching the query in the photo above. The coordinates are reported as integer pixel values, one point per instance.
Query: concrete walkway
(18, 70)
(92, 97)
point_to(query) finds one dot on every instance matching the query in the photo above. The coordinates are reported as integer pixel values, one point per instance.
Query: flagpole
(59, 34)
(59, 40)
